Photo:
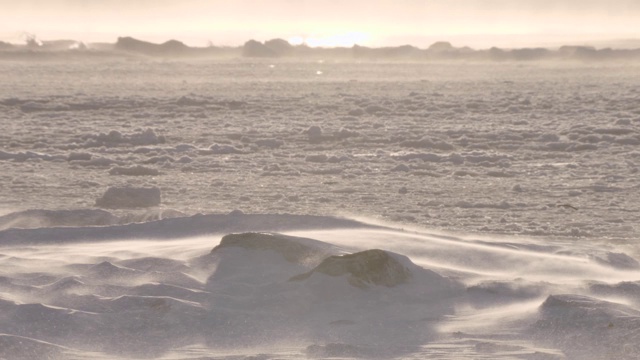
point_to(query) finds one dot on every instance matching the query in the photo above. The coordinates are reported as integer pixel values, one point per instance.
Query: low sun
(335, 40)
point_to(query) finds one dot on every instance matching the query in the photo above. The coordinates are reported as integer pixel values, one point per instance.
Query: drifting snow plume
(589, 328)
(49, 218)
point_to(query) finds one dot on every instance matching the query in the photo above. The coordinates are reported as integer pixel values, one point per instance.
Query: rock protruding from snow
(129, 197)
(367, 267)
(293, 249)
(314, 133)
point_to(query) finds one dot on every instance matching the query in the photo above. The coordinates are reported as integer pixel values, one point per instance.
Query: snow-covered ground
(498, 208)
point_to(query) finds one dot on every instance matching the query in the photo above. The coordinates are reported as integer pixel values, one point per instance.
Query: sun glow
(336, 40)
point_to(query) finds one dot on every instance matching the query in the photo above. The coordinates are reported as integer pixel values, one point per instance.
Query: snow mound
(65, 284)
(490, 293)
(332, 287)
(588, 328)
(106, 269)
(629, 290)
(288, 288)
(617, 260)
(129, 197)
(563, 306)
(375, 267)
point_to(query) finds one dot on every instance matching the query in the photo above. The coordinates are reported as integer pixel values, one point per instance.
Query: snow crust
(491, 148)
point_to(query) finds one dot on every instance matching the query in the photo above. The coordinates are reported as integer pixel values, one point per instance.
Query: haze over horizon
(472, 23)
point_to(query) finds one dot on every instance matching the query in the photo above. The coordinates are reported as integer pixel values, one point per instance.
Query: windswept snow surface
(498, 206)
(320, 288)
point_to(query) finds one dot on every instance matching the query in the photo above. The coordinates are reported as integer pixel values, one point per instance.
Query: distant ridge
(279, 48)
(5, 46)
(171, 47)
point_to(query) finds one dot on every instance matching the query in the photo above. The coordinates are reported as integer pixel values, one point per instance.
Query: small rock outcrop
(293, 249)
(129, 197)
(367, 267)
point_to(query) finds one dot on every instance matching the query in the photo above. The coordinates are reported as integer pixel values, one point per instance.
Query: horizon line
(598, 44)
(628, 41)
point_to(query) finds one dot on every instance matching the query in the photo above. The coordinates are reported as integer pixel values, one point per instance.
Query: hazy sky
(479, 23)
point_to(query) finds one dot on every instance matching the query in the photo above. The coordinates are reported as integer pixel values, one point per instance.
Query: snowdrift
(320, 287)
(589, 328)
